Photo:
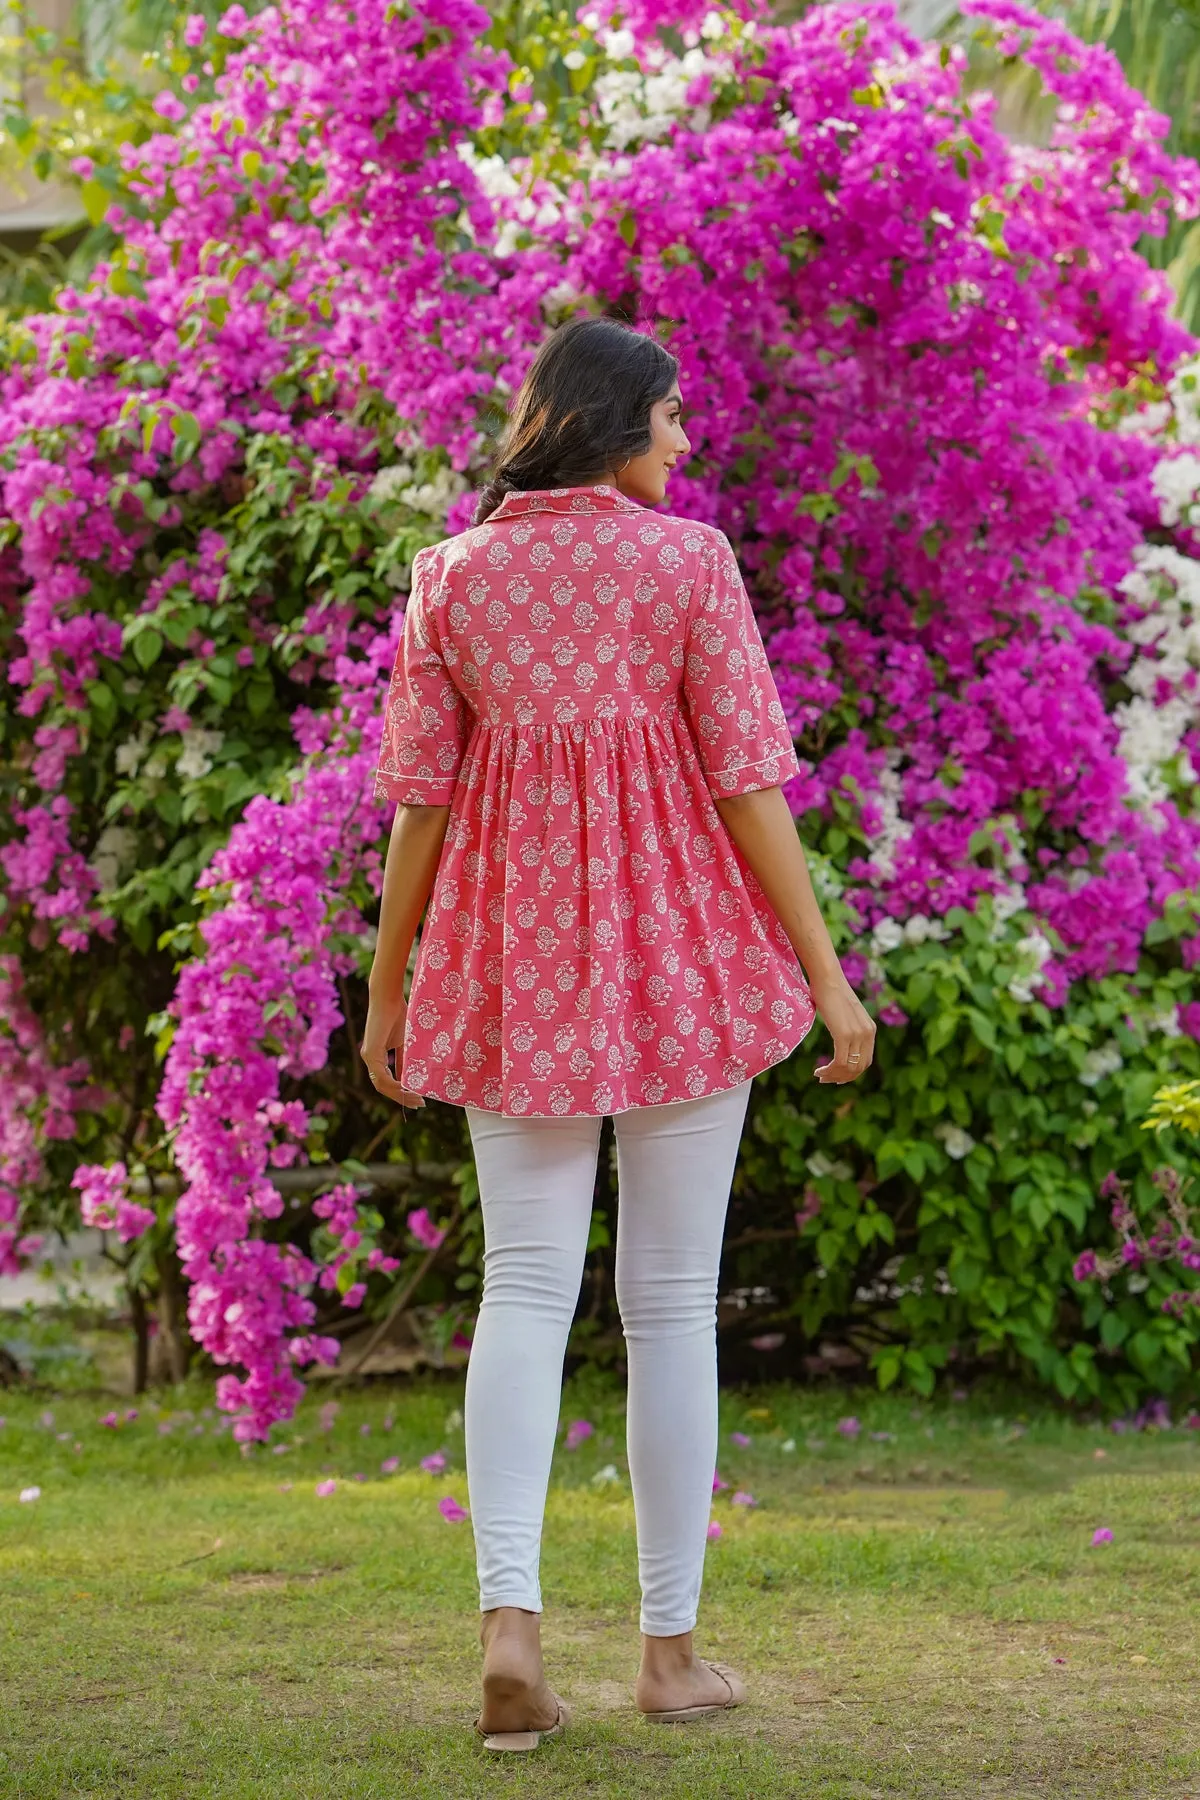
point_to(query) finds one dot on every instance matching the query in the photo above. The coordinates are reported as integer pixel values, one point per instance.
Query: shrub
(940, 405)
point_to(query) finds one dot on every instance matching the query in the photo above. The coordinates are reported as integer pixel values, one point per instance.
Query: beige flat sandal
(524, 1740)
(737, 1697)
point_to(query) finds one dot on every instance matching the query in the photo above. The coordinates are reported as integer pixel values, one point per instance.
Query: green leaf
(147, 648)
(96, 200)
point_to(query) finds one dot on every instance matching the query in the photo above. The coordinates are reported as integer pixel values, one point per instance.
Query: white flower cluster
(956, 1142)
(116, 848)
(1033, 950)
(893, 831)
(491, 172)
(1099, 1063)
(820, 1164)
(399, 483)
(1176, 484)
(1183, 392)
(1166, 1022)
(889, 934)
(638, 106)
(199, 748)
(1167, 586)
(128, 756)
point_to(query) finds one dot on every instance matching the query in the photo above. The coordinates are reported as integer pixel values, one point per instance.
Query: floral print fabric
(577, 678)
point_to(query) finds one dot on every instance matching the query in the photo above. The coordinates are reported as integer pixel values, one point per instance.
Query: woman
(586, 746)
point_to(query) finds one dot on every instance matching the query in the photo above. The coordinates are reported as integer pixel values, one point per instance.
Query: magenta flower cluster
(904, 342)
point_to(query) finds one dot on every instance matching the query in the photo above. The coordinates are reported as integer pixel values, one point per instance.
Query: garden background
(933, 297)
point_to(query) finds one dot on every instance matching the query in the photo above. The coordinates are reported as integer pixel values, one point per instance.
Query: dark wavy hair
(583, 409)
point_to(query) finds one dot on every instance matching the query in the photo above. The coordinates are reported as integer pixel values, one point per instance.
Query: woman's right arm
(763, 829)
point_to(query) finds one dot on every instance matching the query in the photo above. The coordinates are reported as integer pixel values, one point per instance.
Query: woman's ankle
(667, 1655)
(512, 1623)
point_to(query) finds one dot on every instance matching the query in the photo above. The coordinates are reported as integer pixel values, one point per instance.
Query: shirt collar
(564, 500)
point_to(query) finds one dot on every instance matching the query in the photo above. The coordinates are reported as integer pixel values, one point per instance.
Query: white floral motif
(591, 944)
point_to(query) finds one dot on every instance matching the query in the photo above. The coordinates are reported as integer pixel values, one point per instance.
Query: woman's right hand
(384, 1031)
(850, 1025)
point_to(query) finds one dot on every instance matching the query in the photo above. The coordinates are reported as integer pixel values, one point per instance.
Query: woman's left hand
(381, 1034)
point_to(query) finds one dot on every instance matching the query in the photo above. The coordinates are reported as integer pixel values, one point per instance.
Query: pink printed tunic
(577, 678)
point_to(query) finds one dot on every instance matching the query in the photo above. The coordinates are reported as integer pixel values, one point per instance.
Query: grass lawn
(918, 1614)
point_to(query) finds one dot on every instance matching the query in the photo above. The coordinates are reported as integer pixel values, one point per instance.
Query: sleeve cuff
(749, 778)
(416, 790)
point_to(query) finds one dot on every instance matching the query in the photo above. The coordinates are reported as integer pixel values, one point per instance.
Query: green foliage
(959, 1183)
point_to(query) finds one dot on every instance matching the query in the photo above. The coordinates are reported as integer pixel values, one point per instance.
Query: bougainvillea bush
(941, 408)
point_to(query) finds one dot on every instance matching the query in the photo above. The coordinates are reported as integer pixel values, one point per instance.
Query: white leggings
(537, 1177)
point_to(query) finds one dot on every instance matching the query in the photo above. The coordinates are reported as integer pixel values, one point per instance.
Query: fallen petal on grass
(1102, 1535)
(740, 1439)
(31, 1493)
(451, 1511)
(714, 1531)
(741, 1498)
(433, 1465)
(325, 1488)
(578, 1432)
(389, 1465)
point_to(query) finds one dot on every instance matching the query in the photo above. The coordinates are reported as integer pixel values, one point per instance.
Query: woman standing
(586, 746)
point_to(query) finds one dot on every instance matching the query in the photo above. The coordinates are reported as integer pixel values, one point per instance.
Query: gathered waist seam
(595, 724)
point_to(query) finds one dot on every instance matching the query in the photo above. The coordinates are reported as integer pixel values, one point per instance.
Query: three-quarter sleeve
(426, 720)
(729, 692)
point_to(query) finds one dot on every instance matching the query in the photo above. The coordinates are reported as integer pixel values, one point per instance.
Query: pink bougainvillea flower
(714, 1530)
(325, 1488)
(740, 1439)
(718, 1484)
(451, 1511)
(424, 1229)
(808, 1211)
(1102, 1535)
(578, 1432)
(939, 729)
(30, 1493)
(849, 1427)
(742, 1498)
(389, 1465)
(434, 1464)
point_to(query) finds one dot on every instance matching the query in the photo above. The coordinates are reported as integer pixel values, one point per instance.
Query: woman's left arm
(414, 852)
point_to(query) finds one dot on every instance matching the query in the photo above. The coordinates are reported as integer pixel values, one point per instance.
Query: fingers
(385, 1083)
(853, 1054)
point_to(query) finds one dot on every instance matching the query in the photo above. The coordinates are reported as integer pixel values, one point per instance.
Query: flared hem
(590, 1112)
